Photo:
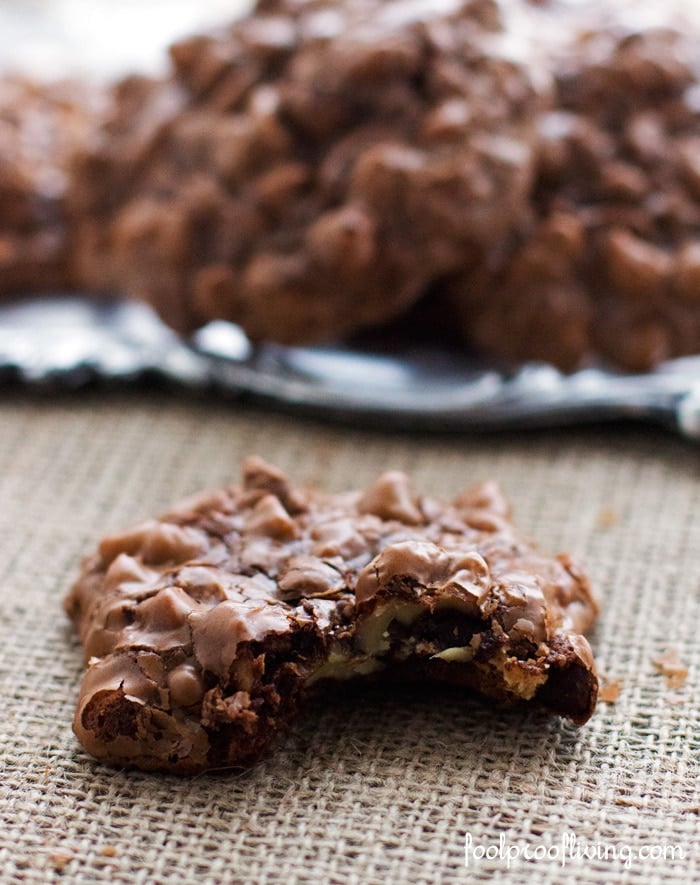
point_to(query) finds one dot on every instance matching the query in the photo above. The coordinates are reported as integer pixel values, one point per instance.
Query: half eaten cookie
(206, 630)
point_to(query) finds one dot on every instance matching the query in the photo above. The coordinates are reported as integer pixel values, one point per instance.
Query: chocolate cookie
(311, 170)
(40, 127)
(206, 630)
(606, 262)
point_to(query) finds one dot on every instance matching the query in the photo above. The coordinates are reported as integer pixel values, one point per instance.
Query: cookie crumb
(671, 668)
(60, 859)
(610, 691)
(607, 517)
(109, 851)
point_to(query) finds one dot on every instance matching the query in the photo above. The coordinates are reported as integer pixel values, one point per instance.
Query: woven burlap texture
(385, 787)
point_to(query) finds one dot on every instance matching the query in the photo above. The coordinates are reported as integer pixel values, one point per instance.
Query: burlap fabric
(388, 787)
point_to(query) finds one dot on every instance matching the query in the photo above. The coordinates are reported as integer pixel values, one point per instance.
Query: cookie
(311, 170)
(605, 264)
(41, 125)
(207, 630)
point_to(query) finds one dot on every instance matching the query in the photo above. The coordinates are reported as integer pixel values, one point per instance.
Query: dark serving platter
(65, 342)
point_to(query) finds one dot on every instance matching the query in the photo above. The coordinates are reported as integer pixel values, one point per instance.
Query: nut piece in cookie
(207, 629)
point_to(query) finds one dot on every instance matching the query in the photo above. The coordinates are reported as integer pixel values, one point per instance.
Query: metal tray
(67, 343)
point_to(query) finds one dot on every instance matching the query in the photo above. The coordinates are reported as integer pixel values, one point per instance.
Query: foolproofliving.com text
(567, 850)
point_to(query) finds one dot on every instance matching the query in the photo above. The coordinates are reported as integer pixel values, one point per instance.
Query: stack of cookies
(525, 174)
